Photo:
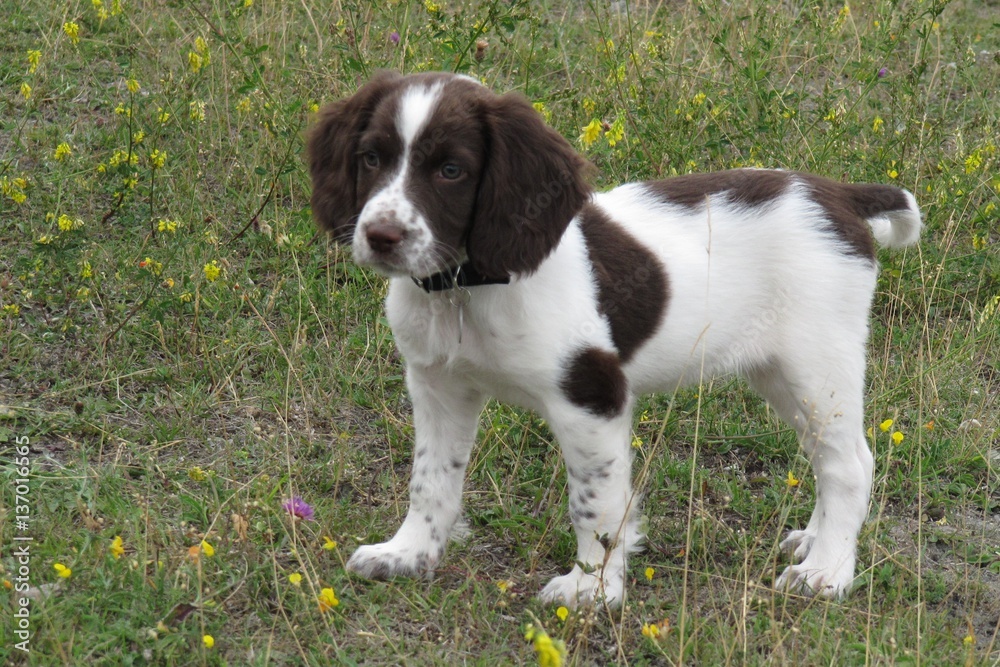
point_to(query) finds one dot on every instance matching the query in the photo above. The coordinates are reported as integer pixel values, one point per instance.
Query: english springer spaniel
(511, 278)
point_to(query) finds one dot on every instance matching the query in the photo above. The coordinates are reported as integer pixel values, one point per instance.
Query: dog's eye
(371, 159)
(450, 171)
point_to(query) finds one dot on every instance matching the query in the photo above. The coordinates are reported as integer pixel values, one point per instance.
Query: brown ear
(332, 145)
(533, 184)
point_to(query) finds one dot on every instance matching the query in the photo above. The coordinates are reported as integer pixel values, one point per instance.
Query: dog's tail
(891, 212)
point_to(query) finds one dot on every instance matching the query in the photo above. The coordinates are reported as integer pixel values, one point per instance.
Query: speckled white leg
(445, 416)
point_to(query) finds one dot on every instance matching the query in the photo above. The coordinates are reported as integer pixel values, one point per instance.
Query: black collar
(461, 276)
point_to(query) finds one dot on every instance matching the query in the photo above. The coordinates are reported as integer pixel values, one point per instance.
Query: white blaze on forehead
(415, 108)
(392, 203)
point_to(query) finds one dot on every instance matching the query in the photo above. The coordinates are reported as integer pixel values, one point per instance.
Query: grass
(183, 354)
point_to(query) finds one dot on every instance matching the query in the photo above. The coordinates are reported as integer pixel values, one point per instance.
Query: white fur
(898, 229)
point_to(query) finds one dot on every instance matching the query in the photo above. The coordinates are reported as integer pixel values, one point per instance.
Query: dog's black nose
(383, 237)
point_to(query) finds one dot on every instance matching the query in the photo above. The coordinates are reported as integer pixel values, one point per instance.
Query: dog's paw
(385, 560)
(579, 588)
(799, 543)
(811, 577)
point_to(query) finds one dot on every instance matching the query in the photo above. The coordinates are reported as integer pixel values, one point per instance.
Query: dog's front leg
(445, 416)
(602, 505)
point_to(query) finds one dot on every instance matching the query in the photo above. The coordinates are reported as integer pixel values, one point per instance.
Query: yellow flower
(196, 110)
(186, 297)
(649, 573)
(63, 151)
(562, 613)
(974, 161)
(212, 271)
(85, 270)
(542, 109)
(791, 480)
(207, 549)
(72, 31)
(62, 570)
(550, 653)
(8, 584)
(969, 639)
(116, 549)
(327, 600)
(196, 474)
(157, 158)
(897, 437)
(162, 116)
(25, 91)
(201, 46)
(120, 157)
(590, 133)
(151, 265)
(295, 578)
(651, 630)
(133, 86)
(34, 58)
(616, 132)
(885, 426)
(503, 585)
(194, 61)
(329, 544)
(636, 442)
(167, 226)
(102, 13)
(67, 223)
(432, 7)
(12, 309)
(698, 99)
(44, 239)
(208, 641)
(244, 105)
(877, 124)
(892, 173)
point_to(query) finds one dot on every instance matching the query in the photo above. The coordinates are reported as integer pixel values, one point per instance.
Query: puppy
(511, 278)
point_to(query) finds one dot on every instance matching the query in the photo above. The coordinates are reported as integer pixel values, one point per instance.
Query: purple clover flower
(298, 508)
(882, 73)
(394, 37)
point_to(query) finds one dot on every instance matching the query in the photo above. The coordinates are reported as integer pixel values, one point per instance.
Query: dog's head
(425, 172)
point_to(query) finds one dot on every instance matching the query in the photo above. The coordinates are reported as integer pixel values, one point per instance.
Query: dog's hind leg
(824, 403)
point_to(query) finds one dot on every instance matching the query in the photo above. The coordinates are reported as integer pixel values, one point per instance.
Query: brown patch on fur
(594, 380)
(742, 187)
(533, 183)
(849, 205)
(632, 284)
(332, 146)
